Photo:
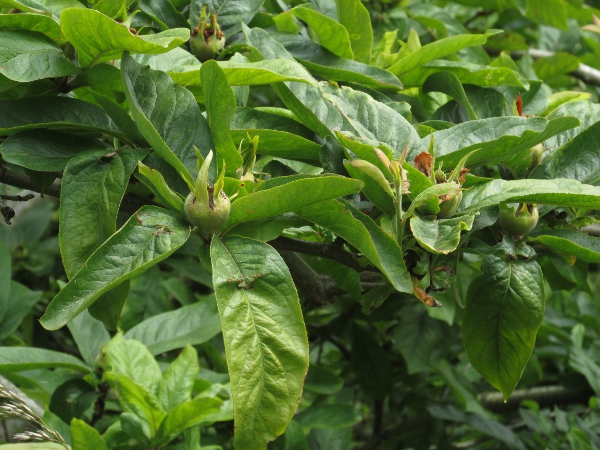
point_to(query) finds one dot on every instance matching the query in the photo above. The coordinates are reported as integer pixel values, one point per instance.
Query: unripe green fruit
(208, 217)
(449, 207)
(205, 45)
(517, 222)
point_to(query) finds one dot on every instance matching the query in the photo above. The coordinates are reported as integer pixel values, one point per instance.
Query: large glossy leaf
(290, 197)
(438, 49)
(240, 73)
(449, 84)
(131, 358)
(467, 73)
(184, 416)
(264, 334)
(504, 310)
(440, 235)
(332, 67)
(147, 238)
(231, 12)
(45, 150)
(578, 159)
(559, 192)
(19, 301)
(306, 102)
(54, 113)
(497, 139)
(86, 437)
(40, 23)
(193, 324)
(356, 19)
(163, 112)
(588, 114)
(220, 107)
(178, 380)
(27, 56)
(570, 242)
(30, 358)
(97, 37)
(361, 232)
(90, 336)
(92, 188)
(373, 119)
(279, 144)
(330, 33)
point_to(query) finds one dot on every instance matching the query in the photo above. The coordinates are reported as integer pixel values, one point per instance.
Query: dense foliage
(300, 225)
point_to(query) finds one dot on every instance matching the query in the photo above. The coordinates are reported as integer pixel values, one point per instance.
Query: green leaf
(467, 73)
(92, 188)
(280, 144)
(548, 12)
(500, 326)
(45, 150)
(90, 336)
(322, 381)
(139, 401)
(294, 437)
(289, 197)
(449, 84)
(193, 324)
(178, 380)
(97, 37)
(25, 5)
(163, 111)
(240, 73)
(131, 358)
(264, 334)
(377, 189)
(54, 113)
(331, 67)
(578, 159)
(30, 358)
(5, 279)
(438, 49)
(330, 33)
(440, 235)
(580, 361)
(148, 237)
(559, 192)
(354, 16)
(85, 437)
(416, 337)
(329, 416)
(164, 13)
(184, 416)
(27, 56)
(558, 99)
(588, 114)
(220, 107)
(372, 119)
(154, 181)
(232, 13)
(33, 22)
(437, 190)
(362, 232)
(498, 139)
(492, 428)
(20, 300)
(571, 242)
(558, 64)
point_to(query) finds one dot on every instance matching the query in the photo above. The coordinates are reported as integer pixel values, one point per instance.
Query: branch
(583, 72)
(318, 289)
(329, 251)
(543, 395)
(24, 182)
(17, 198)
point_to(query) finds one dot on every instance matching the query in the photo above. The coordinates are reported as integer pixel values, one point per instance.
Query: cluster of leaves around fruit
(394, 198)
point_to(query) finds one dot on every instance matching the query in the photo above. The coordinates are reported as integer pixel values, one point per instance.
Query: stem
(17, 198)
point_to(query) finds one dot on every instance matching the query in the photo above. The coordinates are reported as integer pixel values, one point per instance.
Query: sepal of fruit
(207, 206)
